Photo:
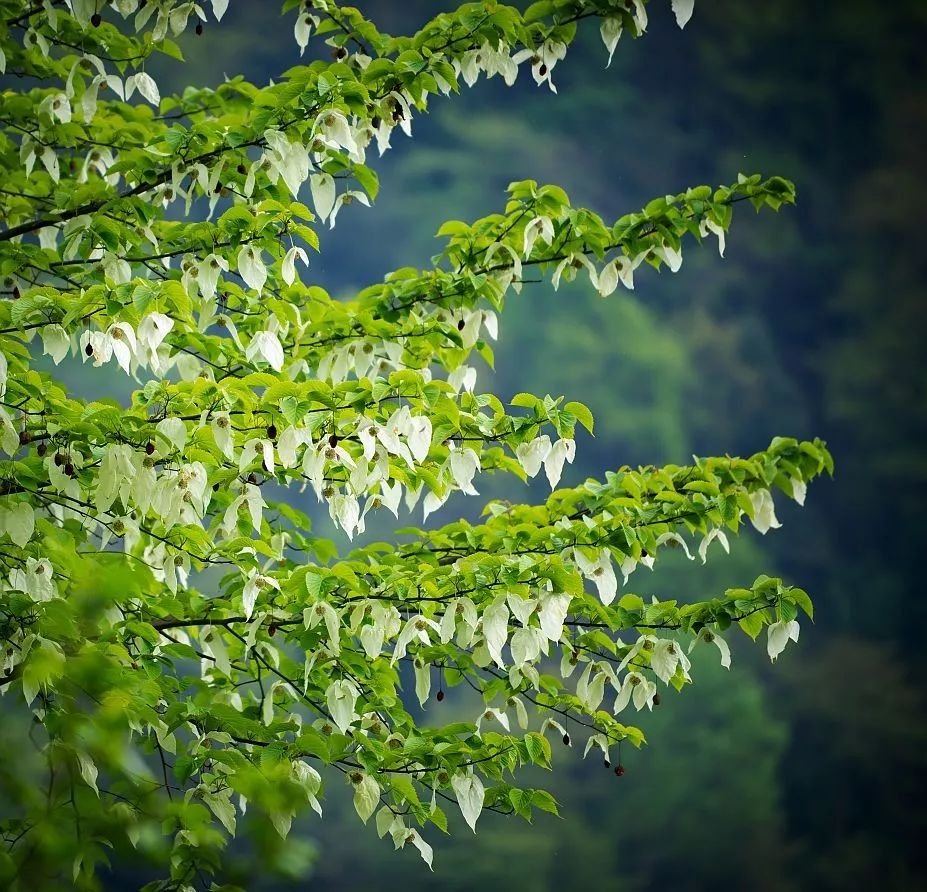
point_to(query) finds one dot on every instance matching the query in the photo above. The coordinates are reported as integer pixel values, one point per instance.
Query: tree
(185, 645)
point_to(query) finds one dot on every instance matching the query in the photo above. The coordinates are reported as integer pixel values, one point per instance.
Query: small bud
(69, 469)
(89, 349)
(333, 440)
(376, 121)
(619, 770)
(96, 20)
(566, 739)
(339, 53)
(439, 696)
(272, 431)
(199, 29)
(356, 777)
(41, 449)
(59, 459)
(656, 699)
(242, 169)
(542, 70)
(149, 448)
(252, 478)
(24, 438)
(460, 325)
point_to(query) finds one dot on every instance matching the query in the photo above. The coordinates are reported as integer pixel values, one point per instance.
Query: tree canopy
(189, 652)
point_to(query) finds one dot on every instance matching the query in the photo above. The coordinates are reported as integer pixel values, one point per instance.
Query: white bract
(778, 636)
(764, 511)
(470, 793)
(600, 571)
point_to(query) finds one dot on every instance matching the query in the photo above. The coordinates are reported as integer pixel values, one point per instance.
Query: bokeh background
(809, 774)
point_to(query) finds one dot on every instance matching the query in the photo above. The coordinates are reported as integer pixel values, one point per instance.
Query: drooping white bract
(341, 698)
(683, 10)
(55, 343)
(764, 511)
(463, 465)
(543, 60)
(533, 454)
(708, 636)
(563, 450)
(470, 793)
(495, 625)
(266, 345)
(599, 571)
(287, 160)
(778, 635)
(288, 266)
(323, 190)
(255, 584)
(666, 658)
(635, 688)
(710, 536)
(708, 225)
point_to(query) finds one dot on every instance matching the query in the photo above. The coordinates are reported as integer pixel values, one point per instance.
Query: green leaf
(538, 748)
(800, 597)
(752, 624)
(582, 413)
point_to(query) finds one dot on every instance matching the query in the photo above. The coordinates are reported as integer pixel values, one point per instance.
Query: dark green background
(809, 774)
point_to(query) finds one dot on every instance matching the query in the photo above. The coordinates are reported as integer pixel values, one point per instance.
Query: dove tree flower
(185, 646)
